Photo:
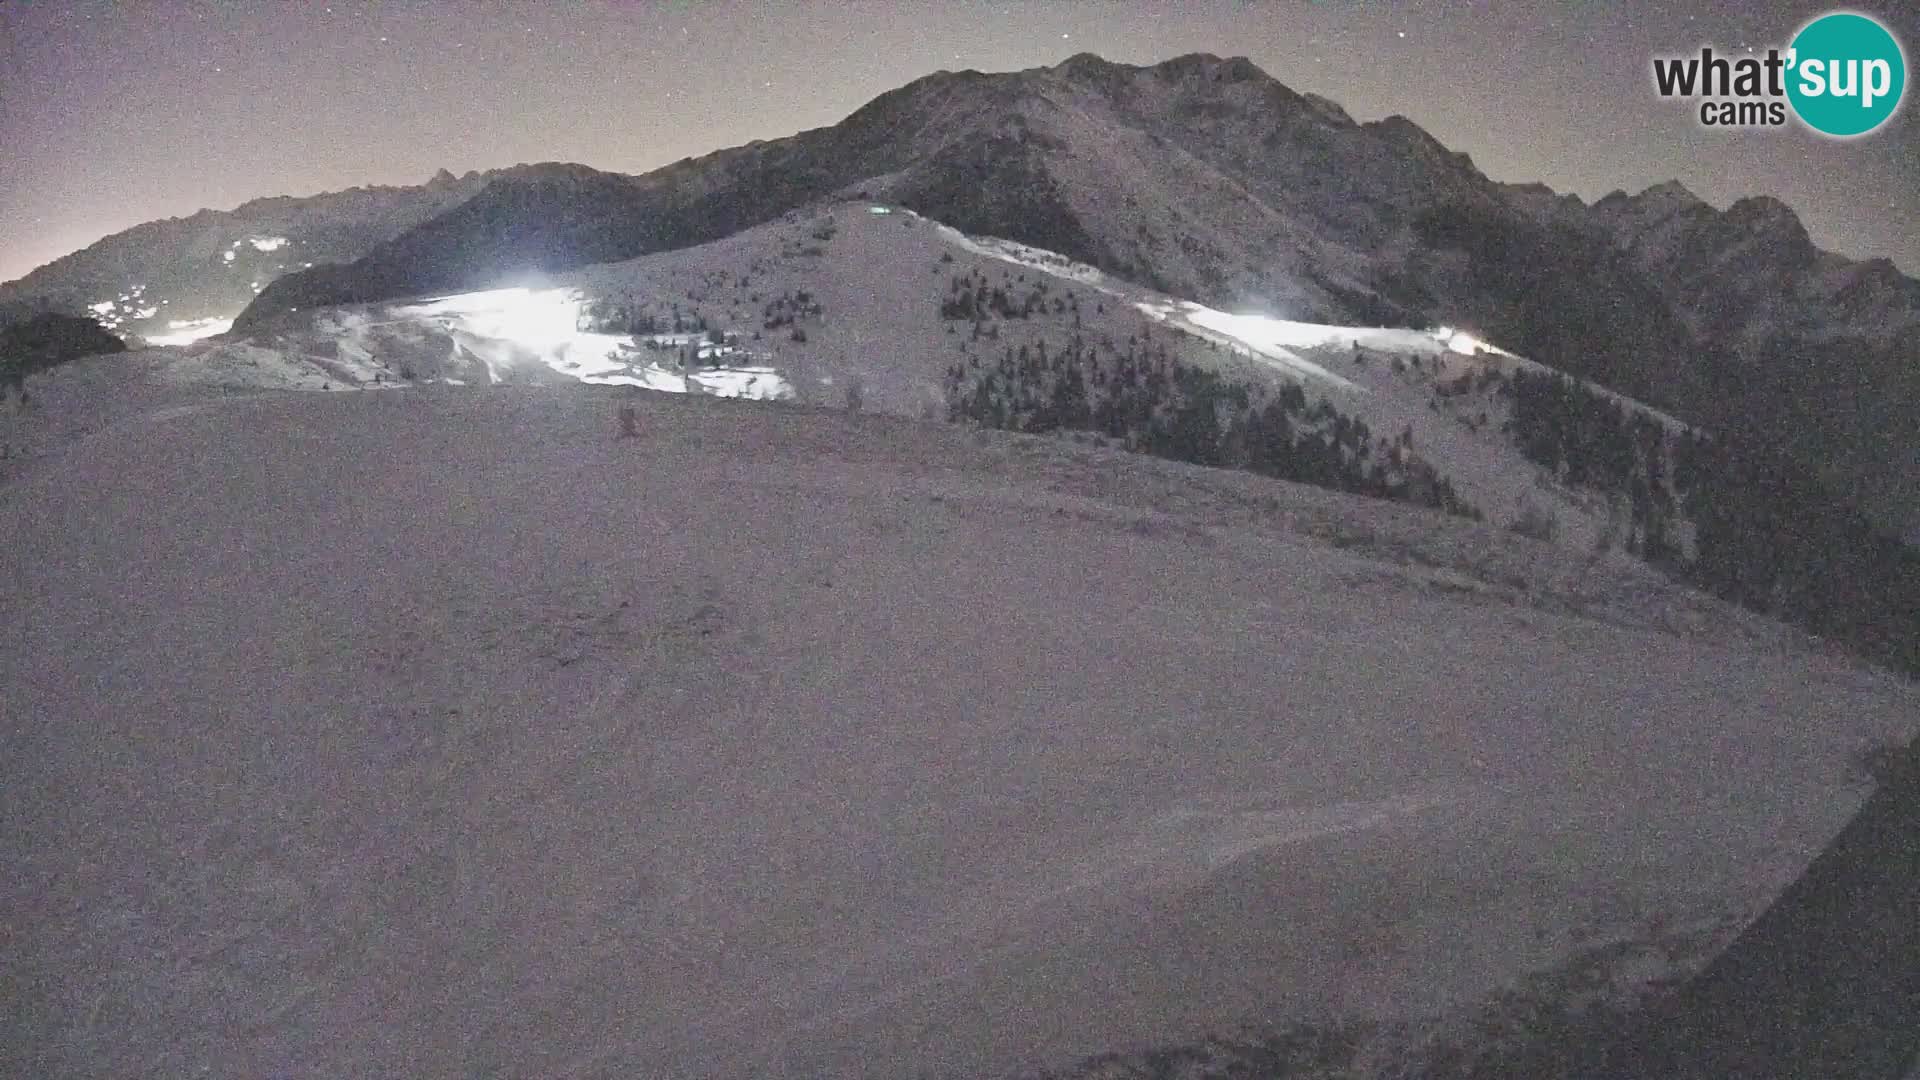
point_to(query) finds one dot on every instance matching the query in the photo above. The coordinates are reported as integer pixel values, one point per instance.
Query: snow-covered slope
(867, 282)
(1205, 178)
(847, 297)
(442, 732)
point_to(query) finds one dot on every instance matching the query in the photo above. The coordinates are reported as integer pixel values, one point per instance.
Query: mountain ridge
(953, 104)
(205, 267)
(1207, 178)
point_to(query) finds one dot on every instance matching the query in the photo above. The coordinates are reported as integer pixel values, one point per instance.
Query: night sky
(114, 114)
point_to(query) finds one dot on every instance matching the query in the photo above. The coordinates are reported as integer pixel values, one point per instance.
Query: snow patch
(188, 331)
(1022, 255)
(756, 383)
(1459, 341)
(1272, 340)
(453, 339)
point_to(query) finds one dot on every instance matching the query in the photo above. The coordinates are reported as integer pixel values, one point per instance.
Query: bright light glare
(544, 319)
(1270, 339)
(1463, 343)
(546, 322)
(267, 243)
(1261, 330)
(188, 331)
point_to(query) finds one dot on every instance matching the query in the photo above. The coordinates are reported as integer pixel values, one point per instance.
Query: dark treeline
(1155, 404)
(631, 316)
(45, 340)
(1768, 535)
(973, 298)
(1774, 539)
(1588, 439)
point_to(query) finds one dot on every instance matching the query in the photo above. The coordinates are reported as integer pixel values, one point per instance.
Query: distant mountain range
(188, 273)
(1187, 262)
(1200, 176)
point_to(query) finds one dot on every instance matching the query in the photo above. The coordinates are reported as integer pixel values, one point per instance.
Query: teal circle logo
(1847, 74)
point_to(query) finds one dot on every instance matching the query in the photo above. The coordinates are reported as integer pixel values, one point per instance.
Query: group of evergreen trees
(1589, 439)
(1155, 404)
(47, 339)
(970, 298)
(789, 308)
(630, 315)
(1768, 534)
(1772, 537)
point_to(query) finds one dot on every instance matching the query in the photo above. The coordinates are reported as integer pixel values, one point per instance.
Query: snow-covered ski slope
(440, 732)
(879, 279)
(872, 284)
(520, 336)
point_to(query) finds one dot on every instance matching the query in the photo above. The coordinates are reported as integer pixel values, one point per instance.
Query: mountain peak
(1670, 192)
(1187, 63)
(1406, 130)
(1763, 209)
(1203, 65)
(1087, 63)
(1540, 197)
(1413, 137)
(1657, 202)
(1764, 215)
(1329, 110)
